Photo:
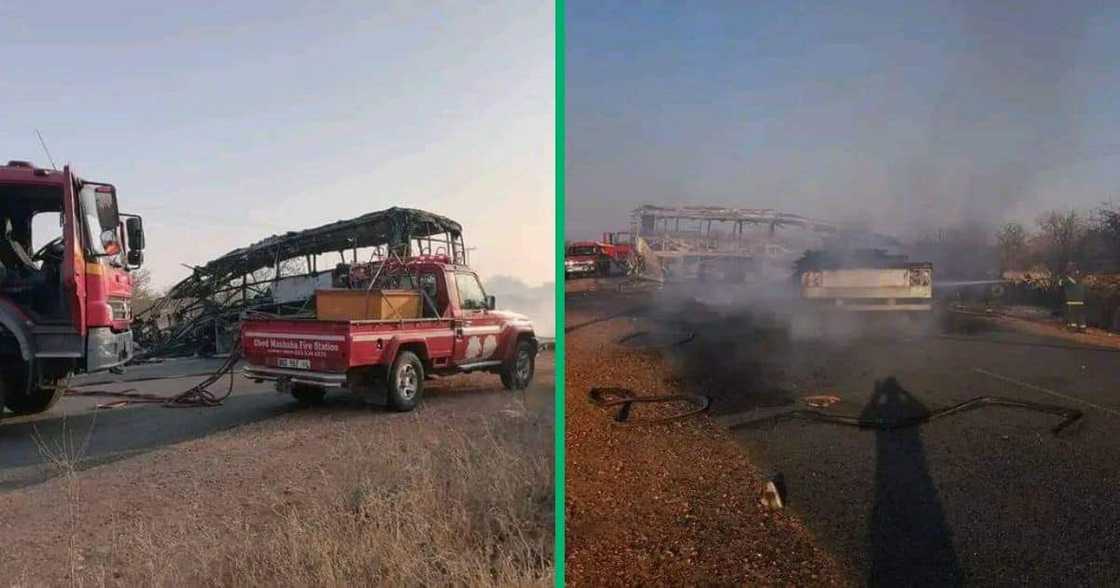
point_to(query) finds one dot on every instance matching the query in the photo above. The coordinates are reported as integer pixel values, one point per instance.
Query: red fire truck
(65, 305)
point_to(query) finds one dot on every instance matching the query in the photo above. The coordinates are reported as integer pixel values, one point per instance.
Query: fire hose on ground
(1070, 415)
(606, 397)
(626, 398)
(195, 396)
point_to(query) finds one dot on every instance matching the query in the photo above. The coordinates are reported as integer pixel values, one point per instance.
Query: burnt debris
(720, 243)
(279, 275)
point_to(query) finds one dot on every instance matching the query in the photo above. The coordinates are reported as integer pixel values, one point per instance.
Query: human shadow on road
(910, 540)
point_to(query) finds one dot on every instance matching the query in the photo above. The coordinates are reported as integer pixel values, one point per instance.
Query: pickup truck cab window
(471, 294)
(396, 282)
(429, 286)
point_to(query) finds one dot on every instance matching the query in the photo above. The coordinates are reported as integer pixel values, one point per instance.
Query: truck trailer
(868, 280)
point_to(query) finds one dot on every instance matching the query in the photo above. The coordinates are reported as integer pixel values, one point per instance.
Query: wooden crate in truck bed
(360, 305)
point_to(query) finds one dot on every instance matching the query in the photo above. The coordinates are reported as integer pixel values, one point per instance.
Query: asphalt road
(76, 427)
(989, 496)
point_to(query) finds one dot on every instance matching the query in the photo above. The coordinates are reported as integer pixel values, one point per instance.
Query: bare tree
(143, 295)
(1062, 240)
(1108, 223)
(1012, 239)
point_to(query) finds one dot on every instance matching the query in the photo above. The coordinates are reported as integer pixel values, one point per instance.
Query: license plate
(299, 364)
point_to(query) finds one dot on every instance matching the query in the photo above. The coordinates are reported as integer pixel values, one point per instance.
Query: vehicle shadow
(538, 399)
(909, 539)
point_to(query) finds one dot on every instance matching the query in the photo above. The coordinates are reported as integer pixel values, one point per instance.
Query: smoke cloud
(909, 121)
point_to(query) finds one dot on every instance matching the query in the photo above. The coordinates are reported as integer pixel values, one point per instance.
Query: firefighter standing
(1074, 291)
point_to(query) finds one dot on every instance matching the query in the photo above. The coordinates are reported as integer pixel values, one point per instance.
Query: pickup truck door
(477, 330)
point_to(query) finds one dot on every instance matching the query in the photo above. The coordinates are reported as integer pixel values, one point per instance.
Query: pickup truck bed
(308, 356)
(321, 352)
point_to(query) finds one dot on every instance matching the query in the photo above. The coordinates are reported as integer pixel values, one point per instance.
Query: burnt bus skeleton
(200, 314)
(64, 306)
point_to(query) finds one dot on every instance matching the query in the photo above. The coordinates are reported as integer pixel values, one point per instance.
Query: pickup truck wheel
(308, 395)
(518, 372)
(406, 382)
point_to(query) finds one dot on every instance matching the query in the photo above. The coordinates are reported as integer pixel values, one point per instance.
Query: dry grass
(317, 499)
(63, 456)
(415, 510)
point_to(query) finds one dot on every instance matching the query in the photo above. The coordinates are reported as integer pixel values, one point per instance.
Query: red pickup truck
(460, 331)
(588, 258)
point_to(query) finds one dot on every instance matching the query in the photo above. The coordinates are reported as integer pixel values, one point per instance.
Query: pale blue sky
(906, 115)
(224, 124)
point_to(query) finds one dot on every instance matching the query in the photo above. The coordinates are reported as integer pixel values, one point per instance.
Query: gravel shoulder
(668, 504)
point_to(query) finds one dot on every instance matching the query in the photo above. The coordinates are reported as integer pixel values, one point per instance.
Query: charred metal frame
(645, 220)
(689, 240)
(205, 307)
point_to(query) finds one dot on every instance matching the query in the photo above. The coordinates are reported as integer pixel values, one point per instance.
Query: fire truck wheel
(39, 399)
(306, 394)
(406, 382)
(518, 372)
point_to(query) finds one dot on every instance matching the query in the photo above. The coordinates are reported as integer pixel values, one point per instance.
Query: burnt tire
(518, 371)
(308, 395)
(406, 382)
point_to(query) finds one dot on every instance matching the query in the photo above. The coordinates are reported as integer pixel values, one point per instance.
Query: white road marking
(1110, 411)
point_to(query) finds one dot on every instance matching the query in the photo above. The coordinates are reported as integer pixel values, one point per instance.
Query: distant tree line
(1062, 241)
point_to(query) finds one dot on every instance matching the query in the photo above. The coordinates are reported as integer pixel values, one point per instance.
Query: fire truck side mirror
(491, 302)
(135, 258)
(105, 204)
(134, 227)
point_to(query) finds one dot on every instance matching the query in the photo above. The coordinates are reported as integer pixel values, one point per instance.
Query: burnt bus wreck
(279, 275)
(724, 244)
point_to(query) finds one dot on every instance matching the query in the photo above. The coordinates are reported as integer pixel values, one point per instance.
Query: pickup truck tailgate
(296, 345)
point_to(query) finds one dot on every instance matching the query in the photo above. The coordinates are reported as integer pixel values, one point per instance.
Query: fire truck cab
(66, 257)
